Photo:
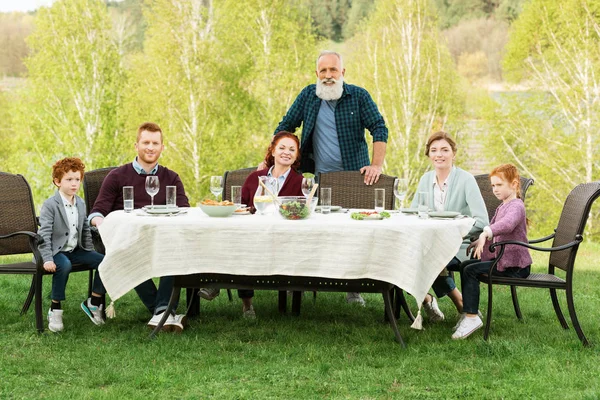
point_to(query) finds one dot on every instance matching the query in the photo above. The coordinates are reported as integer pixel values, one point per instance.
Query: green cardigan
(463, 196)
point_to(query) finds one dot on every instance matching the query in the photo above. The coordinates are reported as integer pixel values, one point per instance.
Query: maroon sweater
(291, 187)
(110, 197)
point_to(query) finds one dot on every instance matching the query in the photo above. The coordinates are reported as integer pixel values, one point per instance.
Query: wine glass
(307, 185)
(216, 185)
(400, 189)
(152, 187)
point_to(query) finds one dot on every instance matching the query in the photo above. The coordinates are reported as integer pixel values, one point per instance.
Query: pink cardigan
(509, 223)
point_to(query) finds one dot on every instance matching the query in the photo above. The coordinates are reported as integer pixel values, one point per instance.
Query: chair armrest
(34, 241)
(578, 239)
(32, 236)
(540, 240)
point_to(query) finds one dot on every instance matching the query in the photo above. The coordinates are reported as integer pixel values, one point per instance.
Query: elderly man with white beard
(334, 115)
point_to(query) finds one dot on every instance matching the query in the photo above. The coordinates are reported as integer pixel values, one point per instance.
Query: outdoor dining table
(403, 250)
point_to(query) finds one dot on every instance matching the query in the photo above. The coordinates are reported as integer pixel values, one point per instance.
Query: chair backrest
(572, 222)
(491, 201)
(17, 213)
(92, 181)
(235, 178)
(348, 189)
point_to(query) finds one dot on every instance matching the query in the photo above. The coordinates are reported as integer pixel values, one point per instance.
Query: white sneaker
(249, 313)
(55, 322)
(209, 293)
(467, 326)
(355, 297)
(462, 316)
(93, 312)
(156, 319)
(175, 323)
(434, 314)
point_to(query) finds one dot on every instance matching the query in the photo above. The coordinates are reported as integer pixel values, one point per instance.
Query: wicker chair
(92, 182)
(235, 178)
(348, 189)
(18, 235)
(566, 239)
(491, 201)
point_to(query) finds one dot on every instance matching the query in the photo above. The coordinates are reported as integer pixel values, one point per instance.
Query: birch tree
(217, 75)
(555, 47)
(401, 60)
(69, 105)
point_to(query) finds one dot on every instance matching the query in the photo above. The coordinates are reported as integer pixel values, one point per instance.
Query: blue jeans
(470, 269)
(445, 284)
(156, 300)
(64, 263)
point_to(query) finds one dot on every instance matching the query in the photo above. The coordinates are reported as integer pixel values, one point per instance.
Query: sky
(22, 5)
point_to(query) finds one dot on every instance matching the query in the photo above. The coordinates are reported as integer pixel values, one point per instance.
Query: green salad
(294, 210)
(369, 215)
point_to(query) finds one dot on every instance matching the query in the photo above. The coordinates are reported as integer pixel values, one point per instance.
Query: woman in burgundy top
(281, 160)
(509, 223)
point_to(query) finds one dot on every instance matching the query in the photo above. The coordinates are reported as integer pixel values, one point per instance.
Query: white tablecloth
(403, 250)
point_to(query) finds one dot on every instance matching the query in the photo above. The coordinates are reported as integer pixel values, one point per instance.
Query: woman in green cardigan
(450, 189)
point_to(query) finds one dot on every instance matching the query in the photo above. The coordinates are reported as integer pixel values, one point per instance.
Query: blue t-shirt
(326, 146)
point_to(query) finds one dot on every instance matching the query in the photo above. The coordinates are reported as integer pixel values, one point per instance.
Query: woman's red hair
(270, 160)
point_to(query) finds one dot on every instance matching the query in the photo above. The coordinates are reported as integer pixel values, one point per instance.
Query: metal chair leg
(404, 304)
(515, 300)
(282, 303)
(229, 296)
(29, 298)
(192, 302)
(557, 310)
(488, 320)
(38, 303)
(390, 314)
(574, 319)
(296, 302)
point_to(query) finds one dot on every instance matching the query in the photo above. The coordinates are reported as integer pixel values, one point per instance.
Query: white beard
(333, 92)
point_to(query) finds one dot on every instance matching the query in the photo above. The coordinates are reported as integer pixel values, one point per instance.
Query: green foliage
(14, 27)
(452, 12)
(232, 70)
(555, 46)
(70, 103)
(400, 60)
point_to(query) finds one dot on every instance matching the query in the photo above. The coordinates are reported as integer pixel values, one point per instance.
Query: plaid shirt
(354, 112)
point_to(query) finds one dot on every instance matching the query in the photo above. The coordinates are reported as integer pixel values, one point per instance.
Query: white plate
(161, 210)
(409, 210)
(443, 214)
(332, 208)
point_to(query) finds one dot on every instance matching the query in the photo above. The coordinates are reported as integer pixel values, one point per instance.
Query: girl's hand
(479, 245)
(50, 266)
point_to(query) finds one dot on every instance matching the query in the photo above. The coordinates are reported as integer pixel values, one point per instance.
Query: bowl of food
(219, 209)
(293, 207)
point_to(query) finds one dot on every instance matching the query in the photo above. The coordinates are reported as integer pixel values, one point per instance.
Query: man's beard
(332, 92)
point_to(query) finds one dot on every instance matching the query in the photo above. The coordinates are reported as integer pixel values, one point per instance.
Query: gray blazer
(54, 227)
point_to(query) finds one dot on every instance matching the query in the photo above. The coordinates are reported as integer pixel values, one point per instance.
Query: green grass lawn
(333, 350)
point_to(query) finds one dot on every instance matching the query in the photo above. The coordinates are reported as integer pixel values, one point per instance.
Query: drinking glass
(307, 185)
(400, 189)
(152, 187)
(171, 196)
(216, 185)
(325, 200)
(263, 197)
(423, 202)
(128, 198)
(379, 200)
(236, 196)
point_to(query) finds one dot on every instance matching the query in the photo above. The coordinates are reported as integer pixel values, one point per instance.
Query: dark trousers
(245, 293)
(64, 263)
(470, 269)
(445, 284)
(156, 300)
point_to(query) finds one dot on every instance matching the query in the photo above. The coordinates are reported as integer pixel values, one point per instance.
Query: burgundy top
(110, 197)
(509, 223)
(291, 187)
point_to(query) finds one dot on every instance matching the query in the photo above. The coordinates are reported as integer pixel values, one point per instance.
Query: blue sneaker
(93, 312)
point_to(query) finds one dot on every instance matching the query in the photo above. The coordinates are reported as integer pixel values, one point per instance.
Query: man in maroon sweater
(149, 146)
